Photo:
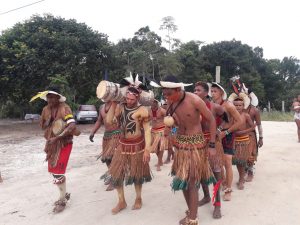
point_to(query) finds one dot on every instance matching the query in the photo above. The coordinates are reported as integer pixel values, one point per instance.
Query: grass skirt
(127, 164)
(216, 162)
(159, 141)
(109, 144)
(253, 146)
(190, 162)
(242, 151)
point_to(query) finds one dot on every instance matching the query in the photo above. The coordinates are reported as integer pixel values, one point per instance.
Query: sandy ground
(27, 193)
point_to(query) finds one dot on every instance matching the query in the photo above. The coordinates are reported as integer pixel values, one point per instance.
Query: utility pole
(218, 74)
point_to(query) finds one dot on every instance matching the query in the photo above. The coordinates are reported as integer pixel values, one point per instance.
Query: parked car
(86, 113)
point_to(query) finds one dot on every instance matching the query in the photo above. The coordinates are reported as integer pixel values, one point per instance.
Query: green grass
(277, 116)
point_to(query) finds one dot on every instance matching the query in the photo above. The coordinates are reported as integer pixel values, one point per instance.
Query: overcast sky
(272, 25)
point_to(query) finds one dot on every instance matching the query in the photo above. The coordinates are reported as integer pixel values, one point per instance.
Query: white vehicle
(86, 113)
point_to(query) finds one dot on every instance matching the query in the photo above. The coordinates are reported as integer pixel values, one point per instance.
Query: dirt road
(27, 195)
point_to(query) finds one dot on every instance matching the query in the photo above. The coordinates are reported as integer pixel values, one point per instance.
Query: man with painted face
(190, 165)
(59, 125)
(216, 161)
(131, 159)
(231, 122)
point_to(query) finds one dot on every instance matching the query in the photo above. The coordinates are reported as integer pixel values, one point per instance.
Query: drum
(146, 98)
(58, 127)
(109, 91)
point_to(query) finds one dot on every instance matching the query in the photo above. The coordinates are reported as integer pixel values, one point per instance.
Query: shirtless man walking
(190, 164)
(110, 138)
(242, 141)
(254, 144)
(216, 161)
(231, 122)
(159, 141)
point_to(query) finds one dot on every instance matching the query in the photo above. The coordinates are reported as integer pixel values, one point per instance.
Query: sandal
(60, 206)
(67, 198)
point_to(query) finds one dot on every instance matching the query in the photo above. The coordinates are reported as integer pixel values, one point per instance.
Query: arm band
(260, 130)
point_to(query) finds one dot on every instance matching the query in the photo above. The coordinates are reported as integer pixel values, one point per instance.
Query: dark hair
(238, 100)
(134, 90)
(202, 84)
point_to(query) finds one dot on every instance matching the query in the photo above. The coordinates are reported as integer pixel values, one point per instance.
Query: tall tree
(168, 24)
(42, 47)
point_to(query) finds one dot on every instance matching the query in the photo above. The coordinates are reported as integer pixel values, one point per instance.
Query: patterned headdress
(239, 87)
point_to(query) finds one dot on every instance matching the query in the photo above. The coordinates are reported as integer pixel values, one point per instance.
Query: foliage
(48, 50)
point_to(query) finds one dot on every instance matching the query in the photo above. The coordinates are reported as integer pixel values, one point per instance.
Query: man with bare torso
(231, 122)
(110, 139)
(131, 159)
(190, 164)
(159, 141)
(242, 140)
(216, 161)
(254, 144)
(296, 108)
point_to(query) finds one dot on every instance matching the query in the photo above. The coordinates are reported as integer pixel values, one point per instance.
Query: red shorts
(62, 162)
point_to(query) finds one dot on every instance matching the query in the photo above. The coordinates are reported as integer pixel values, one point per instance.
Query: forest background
(48, 50)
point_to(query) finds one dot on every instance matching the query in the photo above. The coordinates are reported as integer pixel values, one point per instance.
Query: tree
(42, 47)
(169, 25)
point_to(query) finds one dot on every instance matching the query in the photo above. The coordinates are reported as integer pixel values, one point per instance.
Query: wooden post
(282, 107)
(269, 106)
(218, 74)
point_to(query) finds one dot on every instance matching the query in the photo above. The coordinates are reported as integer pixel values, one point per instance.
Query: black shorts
(228, 144)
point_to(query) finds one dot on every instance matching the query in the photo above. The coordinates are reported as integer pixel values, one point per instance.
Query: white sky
(272, 25)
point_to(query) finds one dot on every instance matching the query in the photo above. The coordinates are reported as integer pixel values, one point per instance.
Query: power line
(21, 7)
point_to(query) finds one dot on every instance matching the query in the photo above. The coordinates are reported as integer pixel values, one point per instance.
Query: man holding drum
(59, 125)
(131, 159)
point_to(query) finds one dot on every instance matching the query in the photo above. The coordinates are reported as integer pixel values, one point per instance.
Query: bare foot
(240, 185)
(137, 204)
(204, 201)
(183, 221)
(217, 212)
(110, 187)
(119, 207)
(227, 195)
(249, 177)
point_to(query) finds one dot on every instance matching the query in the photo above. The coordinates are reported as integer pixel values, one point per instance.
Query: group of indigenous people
(204, 132)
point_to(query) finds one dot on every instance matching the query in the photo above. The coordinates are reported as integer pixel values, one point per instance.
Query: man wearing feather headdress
(231, 121)
(216, 162)
(190, 165)
(254, 113)
(59, 125)
(130, 163)
(242, 140)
